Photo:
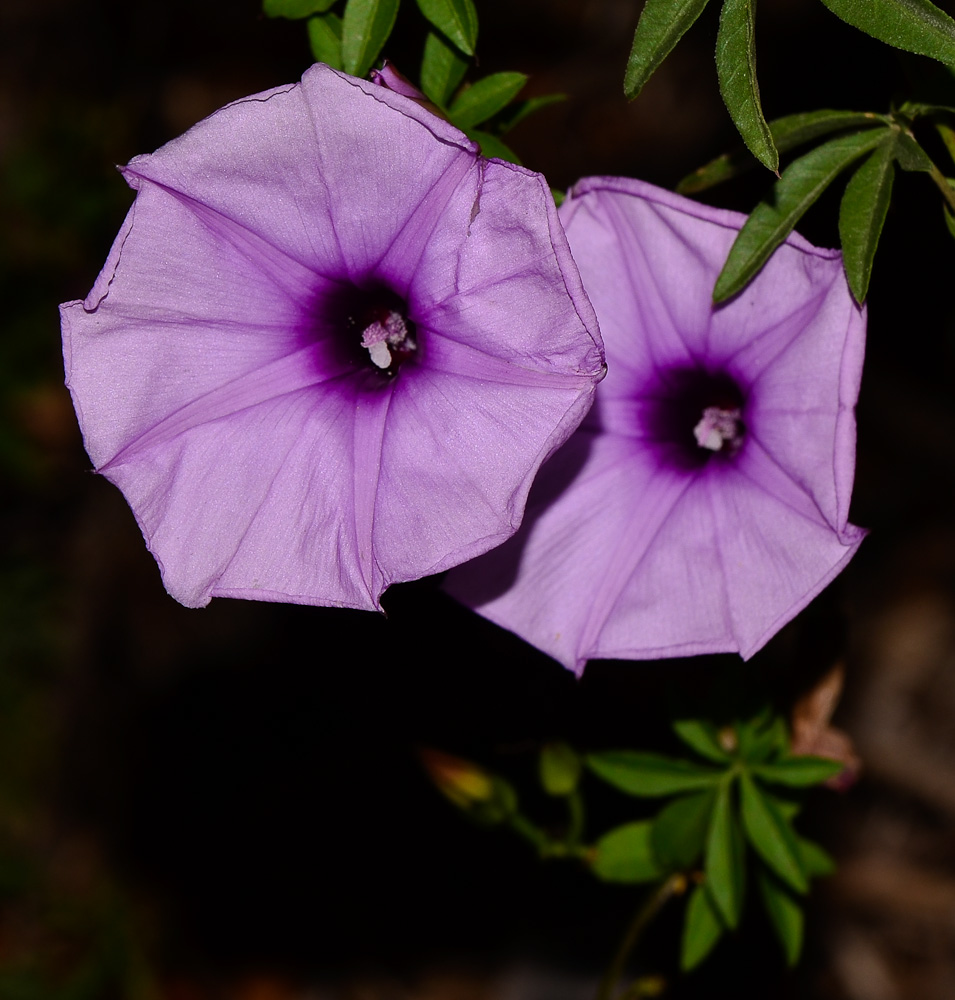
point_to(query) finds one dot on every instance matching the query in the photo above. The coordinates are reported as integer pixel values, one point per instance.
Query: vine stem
(674, 885)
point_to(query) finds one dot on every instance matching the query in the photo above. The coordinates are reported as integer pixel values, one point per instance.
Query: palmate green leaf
(702, 736)
(442, 69)
(702, 928)
(773, 839)
(788, 133)
(725, 861)
(679, 830)
(559, 768)
(295, 10)
(798, 772)
(649, 774)
(491, 146)
(862, 213)
(785, 913)
(914, 25)
(662, 24)
(485, 98)
(625, 854)
(736, 69)
(366, 25)
(772, 221)
(325, 39)
(457, 20)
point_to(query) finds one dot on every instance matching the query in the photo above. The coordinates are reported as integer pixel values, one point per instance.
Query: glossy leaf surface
(325, 39)
(647, 774)
(771, 835)
(701, 929)
(366, 25)
(456, 19)
(442, 69)
(662, 24)
(772, 221)
(679, 831)
(485, 98)
(785, 914)
(625, 854)
(914, 25)
(725, 865)
(736, 69)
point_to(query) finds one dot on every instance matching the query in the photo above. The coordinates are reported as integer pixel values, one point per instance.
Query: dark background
(227, 802)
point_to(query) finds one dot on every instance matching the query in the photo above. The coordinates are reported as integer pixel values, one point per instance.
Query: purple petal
(221, 365)
(638, 543)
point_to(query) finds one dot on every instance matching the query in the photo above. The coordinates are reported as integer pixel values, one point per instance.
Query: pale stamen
(382, 337)
(719, 429)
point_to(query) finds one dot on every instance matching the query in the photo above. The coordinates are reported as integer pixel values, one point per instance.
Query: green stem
(575, 806)
(674, 885)
(941, 182)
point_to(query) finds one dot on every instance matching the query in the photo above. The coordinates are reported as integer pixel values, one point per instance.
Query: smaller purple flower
(330, 348)
(704, 500)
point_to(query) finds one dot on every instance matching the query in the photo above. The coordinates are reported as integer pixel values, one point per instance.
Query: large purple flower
(330, 348)
(704, 500)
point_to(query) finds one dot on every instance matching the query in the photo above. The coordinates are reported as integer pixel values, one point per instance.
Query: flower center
(389, 339)
(719, 429)
(693, 416)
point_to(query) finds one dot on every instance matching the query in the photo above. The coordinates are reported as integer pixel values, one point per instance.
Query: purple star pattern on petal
(330, 348)
(704, 500)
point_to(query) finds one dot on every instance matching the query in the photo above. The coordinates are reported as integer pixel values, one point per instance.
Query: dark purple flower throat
(696, 416)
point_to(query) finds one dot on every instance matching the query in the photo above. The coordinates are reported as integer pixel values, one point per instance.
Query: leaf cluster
(728, 821)
(872, 144)
(868, 145)
(350, 35)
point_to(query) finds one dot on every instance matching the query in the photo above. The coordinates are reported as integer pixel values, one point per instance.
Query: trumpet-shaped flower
(704, 500)
(330, 347)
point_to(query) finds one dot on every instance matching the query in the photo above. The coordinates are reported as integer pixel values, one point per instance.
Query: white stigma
(379, 337)
(718, 428)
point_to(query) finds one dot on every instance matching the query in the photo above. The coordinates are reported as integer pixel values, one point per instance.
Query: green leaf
(702, 928)
(325, 39)
(762, 737)
(736, 69)
(519, 110)
(788, 133)
(785, 913)
(703, 737)
(366, 26)
(679, 831)
(456, 19)
(862, 213)
(649, 774)
(949, 220)
(662, 24)
(485, 98)
(910, 155)
(559, 768)
(914, 25)
(816, 862)
(491, 146)
(771, 835)
(294, 10)
(725, 864)
(798, 772)
(625, 854)
(442, 69)
(947, 135)
(771, 222)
